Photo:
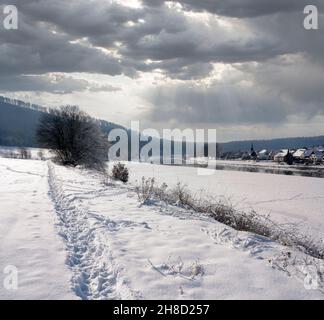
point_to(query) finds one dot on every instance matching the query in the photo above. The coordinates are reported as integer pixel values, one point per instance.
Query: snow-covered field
(71, 236)
(28, 237)
(286, 198)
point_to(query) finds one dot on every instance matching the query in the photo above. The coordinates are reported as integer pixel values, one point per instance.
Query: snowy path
(89, 255)
(28, 239)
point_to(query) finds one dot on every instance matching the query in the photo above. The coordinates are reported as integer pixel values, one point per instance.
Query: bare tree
(24, 153)
(74, 137)
(40, 155)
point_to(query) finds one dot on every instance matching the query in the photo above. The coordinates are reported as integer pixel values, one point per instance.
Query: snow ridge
(95, 273)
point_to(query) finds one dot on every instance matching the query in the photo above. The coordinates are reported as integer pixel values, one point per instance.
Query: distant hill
(19, 121)
(273, 144)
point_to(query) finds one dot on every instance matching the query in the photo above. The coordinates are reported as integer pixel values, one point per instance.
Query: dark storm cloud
(254, 36)
(222, 104)
(294, 79)
(41, 83)
(241, 8)
(173, 41)
(67, 36)
(267, 93)
(286, 82)
(58, 84)
(80, 18)
(36, 47)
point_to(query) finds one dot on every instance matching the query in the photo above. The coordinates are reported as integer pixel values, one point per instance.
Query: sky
(247, 68)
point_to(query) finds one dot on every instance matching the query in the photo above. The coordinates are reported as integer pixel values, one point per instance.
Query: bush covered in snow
(120, 172)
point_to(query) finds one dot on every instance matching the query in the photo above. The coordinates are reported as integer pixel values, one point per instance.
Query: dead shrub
(120, 172)
(145, 190)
